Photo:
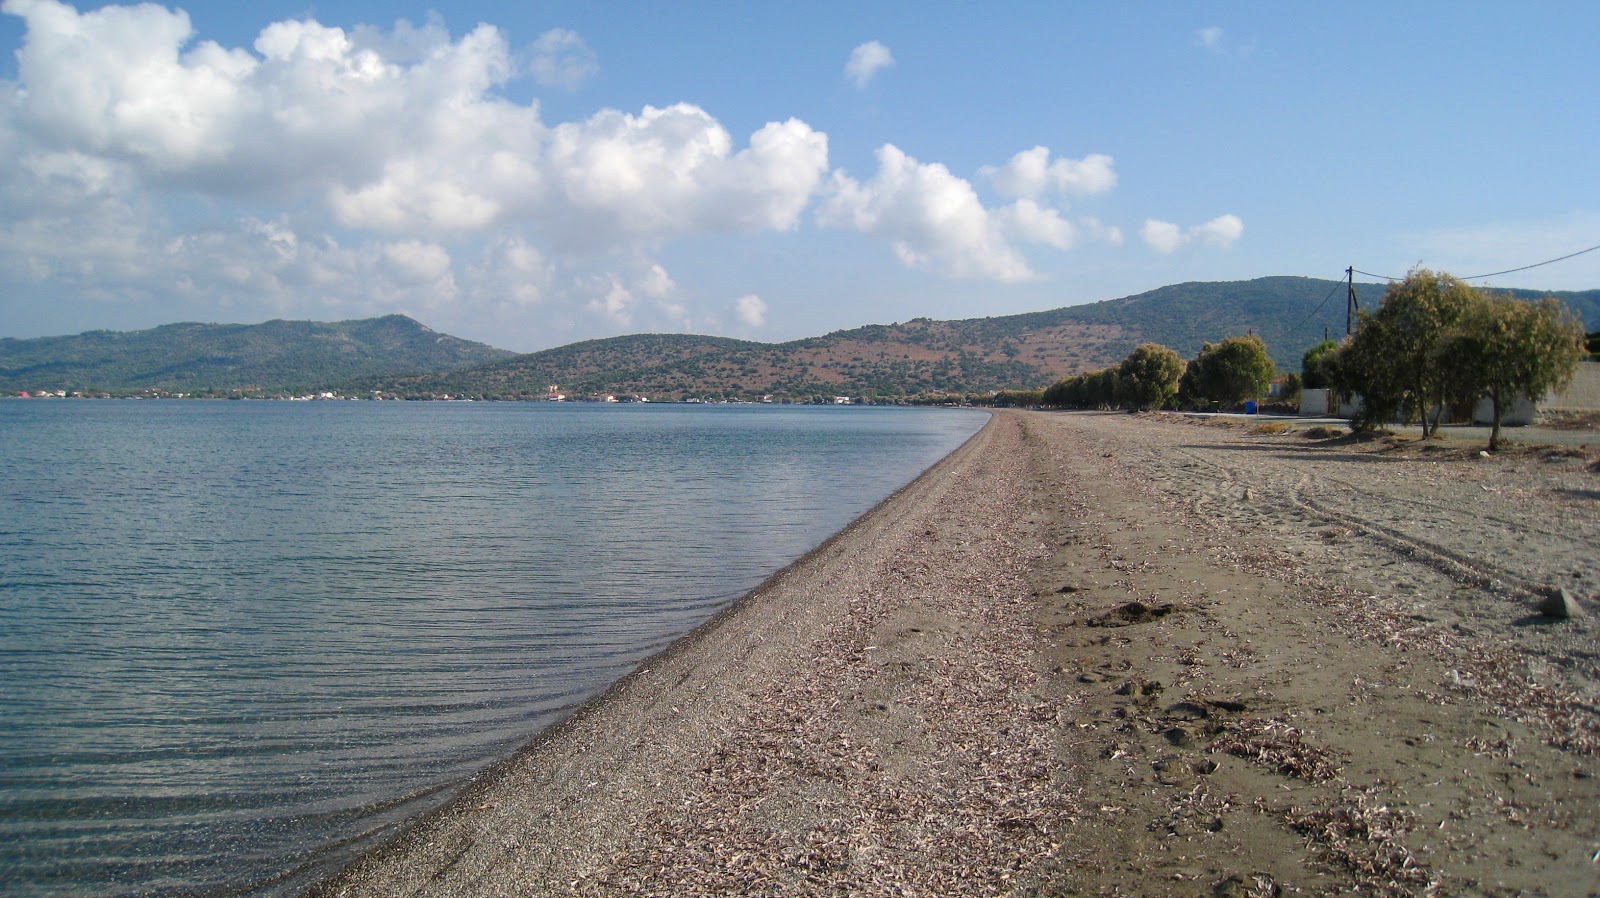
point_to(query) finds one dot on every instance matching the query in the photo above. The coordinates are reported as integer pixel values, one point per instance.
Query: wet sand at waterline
(1097, 654)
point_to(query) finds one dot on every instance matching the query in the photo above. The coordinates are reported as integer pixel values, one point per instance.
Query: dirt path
(1097, 655)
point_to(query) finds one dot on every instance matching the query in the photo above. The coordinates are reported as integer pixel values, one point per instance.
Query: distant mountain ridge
(926, 357)
(921, 357)
(275, 355)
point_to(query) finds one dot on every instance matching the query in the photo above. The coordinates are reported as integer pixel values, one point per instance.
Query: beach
(1098, 654)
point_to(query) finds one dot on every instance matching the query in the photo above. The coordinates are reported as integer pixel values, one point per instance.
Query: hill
(921, 357)
(926, 357)
(276, 355)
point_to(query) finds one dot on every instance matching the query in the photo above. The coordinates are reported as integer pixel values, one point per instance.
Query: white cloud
(1223, 231)
(1103, 232)
(620, 297)
(402, 134)
(1210, 37)
(512, 272)
(1165, 237)
(1031, 174)
(400, 142)
(751, 311)
(866, 61)
(561, 59)
(670, 172)
(932, 218)
(1028, 221)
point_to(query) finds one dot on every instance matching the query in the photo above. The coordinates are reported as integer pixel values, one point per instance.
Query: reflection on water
(234, 634)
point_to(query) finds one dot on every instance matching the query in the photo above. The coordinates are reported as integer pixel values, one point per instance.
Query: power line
(1479, 277)
(1314, 311)
(1534, 265)
(1381, 277)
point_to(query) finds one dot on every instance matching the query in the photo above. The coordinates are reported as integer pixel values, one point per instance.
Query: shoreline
(1084, 653)
(629, 691)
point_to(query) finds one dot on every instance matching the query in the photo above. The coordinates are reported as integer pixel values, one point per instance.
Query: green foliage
(1436, 342)
(1229, 372)
(1363, 368)
(1312, 377)
(1148, 378)
(1092, 389)
(1414, 320)
(1503, 349)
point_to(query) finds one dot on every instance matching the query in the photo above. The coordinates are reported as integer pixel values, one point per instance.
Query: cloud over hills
(325, 171)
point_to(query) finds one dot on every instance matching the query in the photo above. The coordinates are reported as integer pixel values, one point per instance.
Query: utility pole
(1351, 305)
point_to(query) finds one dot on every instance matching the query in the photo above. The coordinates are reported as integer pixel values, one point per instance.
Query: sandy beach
(1099, 654)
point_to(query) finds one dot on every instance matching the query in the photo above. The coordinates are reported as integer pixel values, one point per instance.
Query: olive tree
(1503, 348)
(1312, 376)
(1229, 372)
(1148, 377)
(1406, 337)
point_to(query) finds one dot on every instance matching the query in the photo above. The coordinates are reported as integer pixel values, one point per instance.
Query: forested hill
(922, 356)
(275, 355)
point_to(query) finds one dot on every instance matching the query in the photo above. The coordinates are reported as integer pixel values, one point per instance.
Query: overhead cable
(1314, 311)
(1479, 277)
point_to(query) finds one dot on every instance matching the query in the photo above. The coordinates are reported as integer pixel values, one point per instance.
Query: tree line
(1224, 374)
(1433, 347)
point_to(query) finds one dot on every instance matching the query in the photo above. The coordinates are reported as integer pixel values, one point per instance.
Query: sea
(242, 641)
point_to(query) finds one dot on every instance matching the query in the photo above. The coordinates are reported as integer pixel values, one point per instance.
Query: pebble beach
(1098, 654)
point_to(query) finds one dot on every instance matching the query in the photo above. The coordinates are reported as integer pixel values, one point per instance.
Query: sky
(533, 174)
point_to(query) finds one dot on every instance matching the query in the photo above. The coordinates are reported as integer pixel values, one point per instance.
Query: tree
(1503, 348)
(1404, 341)
(1148, 377)
(1363, 367)
(1229, 372)
(1312, 377)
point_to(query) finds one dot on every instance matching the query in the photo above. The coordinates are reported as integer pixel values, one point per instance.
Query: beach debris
(1259, 885)
(1365, 837)
(1559, 603)
(1131, 613)
(1280, 747)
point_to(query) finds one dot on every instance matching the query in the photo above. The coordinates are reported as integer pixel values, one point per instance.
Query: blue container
(1250, 407)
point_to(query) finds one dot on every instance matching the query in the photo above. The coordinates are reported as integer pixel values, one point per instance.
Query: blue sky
(533, 174)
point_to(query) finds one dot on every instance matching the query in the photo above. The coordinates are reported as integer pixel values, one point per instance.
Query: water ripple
(239, 641)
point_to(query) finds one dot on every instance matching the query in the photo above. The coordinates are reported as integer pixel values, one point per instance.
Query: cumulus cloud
(1223, 231)
(1031, 174)
(399, 141)
(1026, 220)
(620, 297)
(751, 311)
(1165, 237)
(562, 59)
(511, 272)
(669, 172)
(364, 170)
(400, 147)
(932, 218)
(866, 61)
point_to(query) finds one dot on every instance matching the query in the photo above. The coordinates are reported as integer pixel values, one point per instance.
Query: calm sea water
(241, 640)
